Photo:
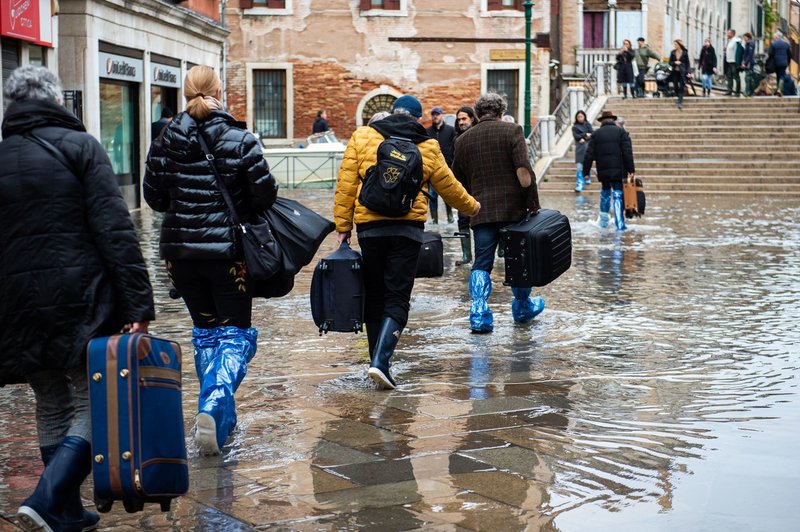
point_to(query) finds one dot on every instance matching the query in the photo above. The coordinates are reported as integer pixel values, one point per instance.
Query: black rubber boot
(449, 210)
(90, 519)
(373, 330)
(466, 249)
(52, 507)
(387, 341)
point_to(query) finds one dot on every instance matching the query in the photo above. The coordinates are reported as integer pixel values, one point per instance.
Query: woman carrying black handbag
(201, 242)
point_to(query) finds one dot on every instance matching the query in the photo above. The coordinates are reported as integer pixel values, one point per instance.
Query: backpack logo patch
(397, 155)
(391, 174)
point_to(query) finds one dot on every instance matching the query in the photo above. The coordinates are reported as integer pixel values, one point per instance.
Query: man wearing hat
(611, 149)
(390, 245)
(446, 136)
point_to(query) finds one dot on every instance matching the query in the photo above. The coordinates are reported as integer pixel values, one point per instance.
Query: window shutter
(276, 4)
(245, 4)
(366, 5)
(391, 4)
(494, 5)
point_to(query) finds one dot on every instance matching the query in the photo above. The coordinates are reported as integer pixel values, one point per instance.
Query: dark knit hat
(410, 104)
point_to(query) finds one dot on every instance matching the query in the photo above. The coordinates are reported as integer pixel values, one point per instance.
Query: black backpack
(394, 182)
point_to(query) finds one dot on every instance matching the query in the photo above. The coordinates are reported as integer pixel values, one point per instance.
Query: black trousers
(389, 267)
(217, 293)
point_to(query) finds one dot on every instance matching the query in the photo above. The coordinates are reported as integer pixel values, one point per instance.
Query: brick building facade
(287, 59)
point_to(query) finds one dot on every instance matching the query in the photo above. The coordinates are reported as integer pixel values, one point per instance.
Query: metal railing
(542, 137)
(309, 169)
(589, 57)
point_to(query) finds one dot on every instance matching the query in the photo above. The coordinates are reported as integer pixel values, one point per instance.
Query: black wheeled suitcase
(431, 256)
(138, 445)
(337, 292)
(537, 249)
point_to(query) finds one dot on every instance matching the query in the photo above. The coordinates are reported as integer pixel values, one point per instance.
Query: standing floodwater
(657, 391)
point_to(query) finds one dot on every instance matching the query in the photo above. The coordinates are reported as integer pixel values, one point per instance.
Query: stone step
(680, 188)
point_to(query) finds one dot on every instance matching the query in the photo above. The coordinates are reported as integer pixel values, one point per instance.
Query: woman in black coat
(624, 67)
(201, 244)
(70, 269)
(708, 66)
(681, 64)
(582, 133)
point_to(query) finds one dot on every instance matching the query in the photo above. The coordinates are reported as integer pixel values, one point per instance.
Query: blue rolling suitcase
(138, 446)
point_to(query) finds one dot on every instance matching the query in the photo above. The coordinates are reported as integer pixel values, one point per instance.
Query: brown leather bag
(633, 197)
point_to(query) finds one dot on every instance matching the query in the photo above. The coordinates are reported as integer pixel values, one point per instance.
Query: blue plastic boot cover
(204, 341)
(619, 211)
(578, 181)
(605, 205)
(480, 288)
(223, 375)
(524, 308)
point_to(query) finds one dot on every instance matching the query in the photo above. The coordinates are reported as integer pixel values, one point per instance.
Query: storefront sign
(121, 67)
(28, 20)
(165, 76)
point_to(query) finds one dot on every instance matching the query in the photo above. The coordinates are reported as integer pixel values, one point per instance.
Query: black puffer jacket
(70, 263)
(611, 148)
(180, 182)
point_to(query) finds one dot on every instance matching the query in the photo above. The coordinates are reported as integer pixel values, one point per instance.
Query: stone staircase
(715, 145)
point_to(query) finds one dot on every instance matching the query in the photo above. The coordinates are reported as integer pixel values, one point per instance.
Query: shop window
(10, 57)
(269, 104)
(502, 5)
(37, 55)
(506, 84)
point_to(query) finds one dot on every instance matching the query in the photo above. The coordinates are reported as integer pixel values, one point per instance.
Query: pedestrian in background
(748, 64)
(732, 59)
(680, 63)
(201, 244)
(643, 55)
(781, 55)
(582, 133)
(624, 66)
(321, 122)
(70, 270)
(708, 66)
(390, 245)
(445, 135)
(611, 149)
(465, 119)
(158, 126)
(492, 158)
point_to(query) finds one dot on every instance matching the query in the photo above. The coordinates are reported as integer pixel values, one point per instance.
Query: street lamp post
(528, 15)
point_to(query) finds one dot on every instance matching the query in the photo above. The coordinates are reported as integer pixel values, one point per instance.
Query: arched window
(375, 101)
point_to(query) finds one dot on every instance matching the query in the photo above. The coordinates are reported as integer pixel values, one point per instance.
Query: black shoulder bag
(262, 254)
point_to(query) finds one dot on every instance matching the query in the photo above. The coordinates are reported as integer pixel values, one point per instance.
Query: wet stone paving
(657, 391)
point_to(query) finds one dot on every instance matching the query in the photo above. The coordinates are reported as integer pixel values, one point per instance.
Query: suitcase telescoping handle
(458, 234)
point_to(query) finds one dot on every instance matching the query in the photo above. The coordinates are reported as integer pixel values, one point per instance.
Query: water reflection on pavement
(657, 391)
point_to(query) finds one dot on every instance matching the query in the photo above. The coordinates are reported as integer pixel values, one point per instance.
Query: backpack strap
(53, 151)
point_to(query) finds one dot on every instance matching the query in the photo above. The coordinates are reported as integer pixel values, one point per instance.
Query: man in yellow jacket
(390, 245)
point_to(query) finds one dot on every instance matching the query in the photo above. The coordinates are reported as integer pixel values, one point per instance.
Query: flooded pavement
(657, 391)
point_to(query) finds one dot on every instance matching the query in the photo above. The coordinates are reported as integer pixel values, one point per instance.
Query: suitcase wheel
(165, 505)
(103, 505)
(133, 505)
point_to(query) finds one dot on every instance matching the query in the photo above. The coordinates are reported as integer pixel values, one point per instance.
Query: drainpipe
(224, 67)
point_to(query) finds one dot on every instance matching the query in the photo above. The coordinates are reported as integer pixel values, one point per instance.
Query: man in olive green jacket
(643, 55)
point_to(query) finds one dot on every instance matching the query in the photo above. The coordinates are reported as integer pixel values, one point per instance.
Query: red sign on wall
(28, 20)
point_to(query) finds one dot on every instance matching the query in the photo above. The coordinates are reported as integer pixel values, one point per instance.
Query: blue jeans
(486, 238)
(705, 81)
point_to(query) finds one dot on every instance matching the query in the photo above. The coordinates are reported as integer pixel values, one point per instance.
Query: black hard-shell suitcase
(337, 292)
(537, 249)
(431, 256)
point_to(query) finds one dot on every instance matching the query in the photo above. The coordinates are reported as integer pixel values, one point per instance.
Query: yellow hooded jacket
(361, 153)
